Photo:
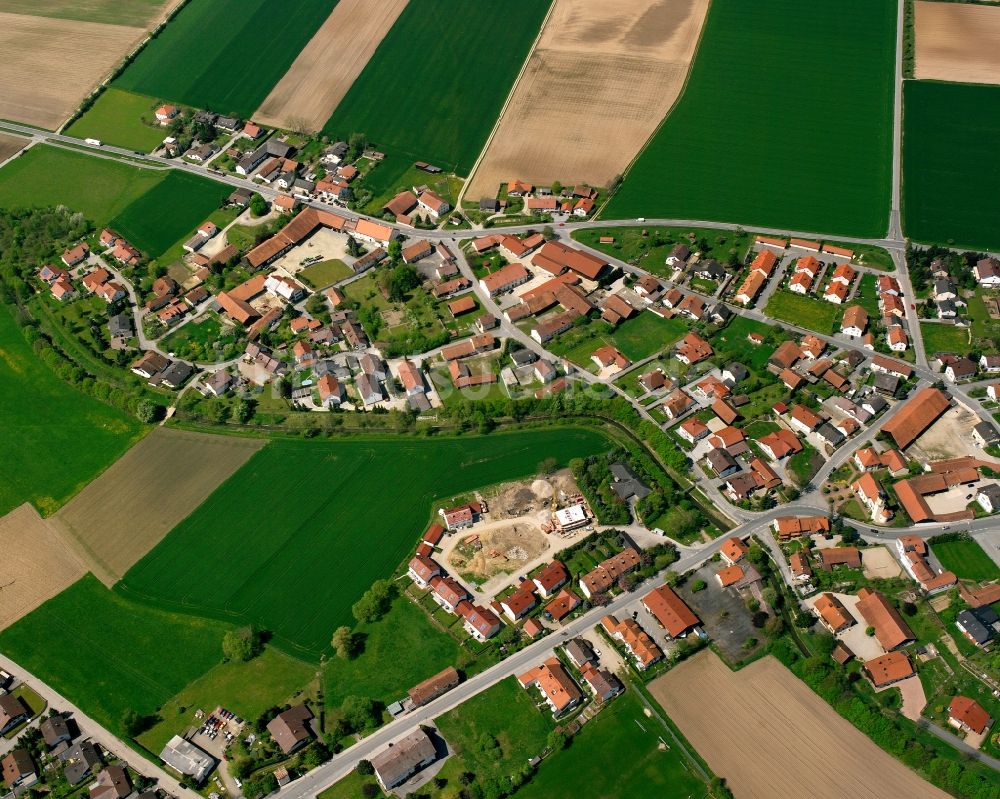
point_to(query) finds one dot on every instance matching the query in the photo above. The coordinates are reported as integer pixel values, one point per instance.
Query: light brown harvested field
(325, 69)
(125, 512)
(957, 41)
(601, 79)
(10, 145)
(37, 563)
(50, 65)
(769, 735)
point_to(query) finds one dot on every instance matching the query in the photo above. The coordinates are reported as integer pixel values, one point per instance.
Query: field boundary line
(666, 116)
(506, 103)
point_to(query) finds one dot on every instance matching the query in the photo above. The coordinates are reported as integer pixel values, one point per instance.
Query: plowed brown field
(125, 512)
(50, 64)
(323, 72)
(957, 41)
(37, 563)
(601, 79)
(769, 735)
(10, 145)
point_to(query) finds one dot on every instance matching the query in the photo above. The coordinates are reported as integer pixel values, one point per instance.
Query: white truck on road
(93, 142)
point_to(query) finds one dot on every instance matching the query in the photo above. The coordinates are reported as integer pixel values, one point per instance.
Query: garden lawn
(505, 712)
(247, 689)
(939, 337)
(294, 538)
(951, 164)
(55, 439)
(433, 89)
(225, 55)
(100, 188)
(807, 312)
(400, 650)
(169, 212)
(116, 118)
(201, 339)
(967, 559)
(350, 787)
(324, 273)
(645, 334)
(650, 251)
(752, 140)
(109, 655)
(592, 766)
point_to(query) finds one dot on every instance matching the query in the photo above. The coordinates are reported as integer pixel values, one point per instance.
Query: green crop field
(400, 650)
(55, 439)
(169, 212)
(116, 118)
(136, 13)
(620, 734)
(951, 164)
(225, 55)
(247, 689)
(940, 337)
(109, 655)
(299, 533)
(433, 89)
(967, 559)
(774, 131)
(100, 188)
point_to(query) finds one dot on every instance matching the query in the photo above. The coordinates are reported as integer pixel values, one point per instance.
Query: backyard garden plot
(808, 127)
(957, 41)
(108, 655)
(135, 13)
(55, 439)
(770, 735)
(169, 212)
(435, 85)
(126, 511)
(313, 516)
(808, 312)
(116, 117)
(323, 72)
(951, 164)
(99, 188)
(51, 64)
(942, 337)
(225, 55)
(597, 84)
(39, 558)
(621, 733)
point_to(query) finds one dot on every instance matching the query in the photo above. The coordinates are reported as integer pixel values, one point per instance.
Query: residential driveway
(912, 693)
(864, 646)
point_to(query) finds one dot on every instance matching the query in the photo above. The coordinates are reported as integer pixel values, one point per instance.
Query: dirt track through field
(126, 511)
(769, 735)
(957, 41)
(51, 64)
(10, 145)
(601, 79)
(325, 69)
(37, 563)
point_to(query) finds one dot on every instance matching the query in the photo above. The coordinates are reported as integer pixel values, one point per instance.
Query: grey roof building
(186, 758)
(80, 761)
(404, 758)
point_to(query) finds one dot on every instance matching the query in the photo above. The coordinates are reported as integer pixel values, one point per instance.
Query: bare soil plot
(51, 64)
(878, 563)
(513, 500)
(37, 563)
(600, 80)
(957, 41)
(769, 735)
(125, 512)
(949, 437)
(9, 145)
(500, 547)
(322, 73)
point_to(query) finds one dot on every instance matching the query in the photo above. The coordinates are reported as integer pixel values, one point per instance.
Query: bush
(698, 585)
(241, 644)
